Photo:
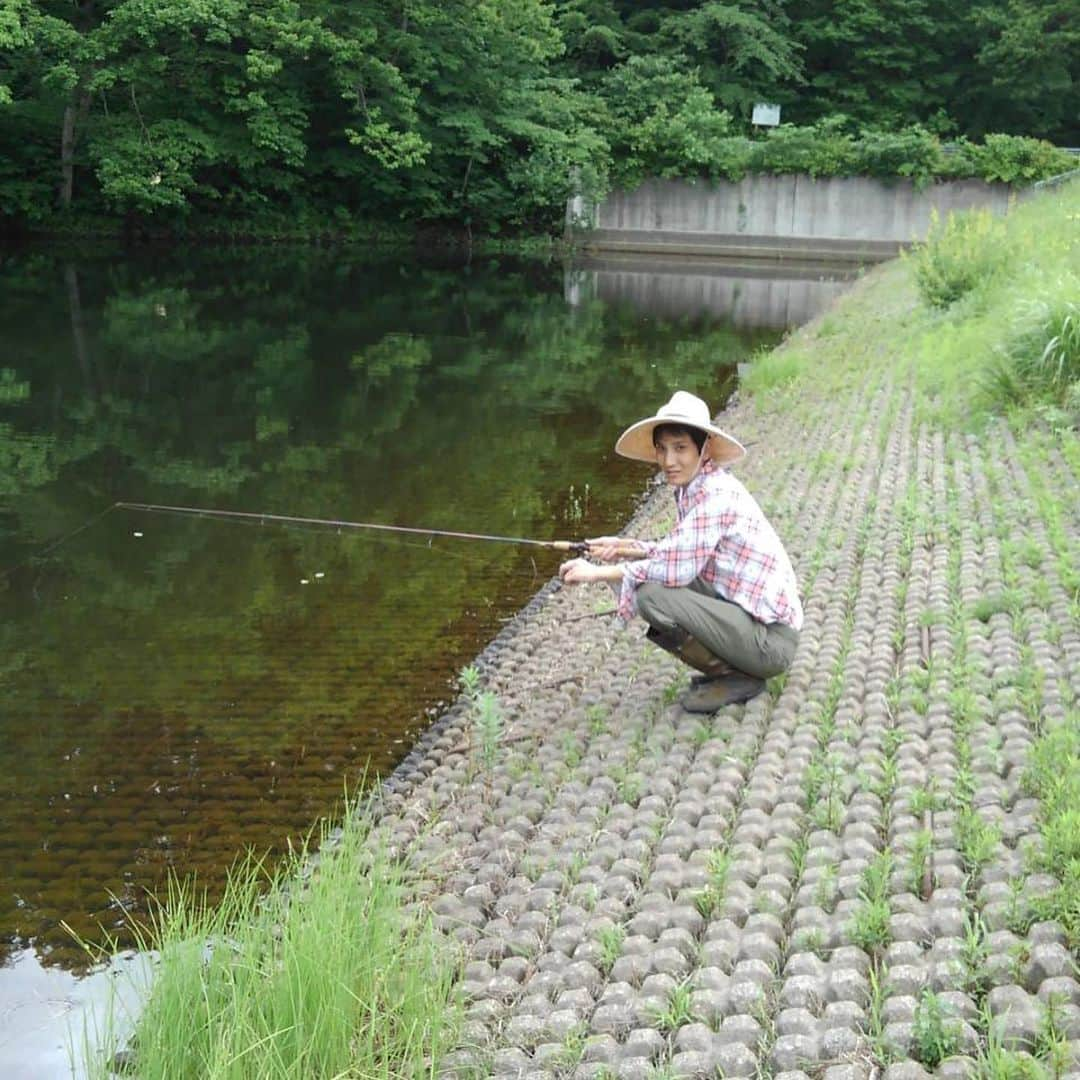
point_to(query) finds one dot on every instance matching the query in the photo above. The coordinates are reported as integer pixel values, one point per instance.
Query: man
(718, 591)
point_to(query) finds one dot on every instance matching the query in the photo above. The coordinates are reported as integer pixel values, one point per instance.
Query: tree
(877, 61)
(1028, 67)
(742, 51)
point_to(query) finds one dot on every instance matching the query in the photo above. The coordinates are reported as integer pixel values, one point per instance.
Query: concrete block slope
(833, 880)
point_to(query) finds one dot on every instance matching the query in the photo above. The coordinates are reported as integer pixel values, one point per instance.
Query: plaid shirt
(722, 537)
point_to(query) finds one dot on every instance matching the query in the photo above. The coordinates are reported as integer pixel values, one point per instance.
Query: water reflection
(754, 294)
(176, 689)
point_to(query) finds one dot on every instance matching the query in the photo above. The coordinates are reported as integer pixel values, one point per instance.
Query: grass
(336, 978)
(679, 1009)
(983, 316)
(610, 940)
(1053, 777)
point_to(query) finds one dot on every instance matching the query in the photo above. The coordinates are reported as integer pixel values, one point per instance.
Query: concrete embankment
(777, 217)
(775, 890)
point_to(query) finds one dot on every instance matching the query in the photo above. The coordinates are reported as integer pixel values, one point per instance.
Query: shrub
(822, 149)
(1015, 159)
(912, 152)
(964, 252)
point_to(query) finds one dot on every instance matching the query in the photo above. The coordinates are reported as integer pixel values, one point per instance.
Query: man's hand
(612, 548)
(577, 572)
(581, 572)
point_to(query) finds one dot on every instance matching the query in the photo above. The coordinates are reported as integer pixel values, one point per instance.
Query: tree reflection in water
(174, 689)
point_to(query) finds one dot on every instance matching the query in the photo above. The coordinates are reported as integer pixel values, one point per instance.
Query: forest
(394, 115)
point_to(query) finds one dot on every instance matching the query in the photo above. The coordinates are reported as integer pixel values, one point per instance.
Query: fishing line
(50, 548)
(382, 538)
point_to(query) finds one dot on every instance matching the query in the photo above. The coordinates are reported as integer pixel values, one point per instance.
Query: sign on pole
(765, 115)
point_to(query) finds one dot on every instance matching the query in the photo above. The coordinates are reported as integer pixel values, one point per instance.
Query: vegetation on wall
(185, 113)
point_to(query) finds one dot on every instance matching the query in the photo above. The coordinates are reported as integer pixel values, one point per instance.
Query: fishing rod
(579, 547)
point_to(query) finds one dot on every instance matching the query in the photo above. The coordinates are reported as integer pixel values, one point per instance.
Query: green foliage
(678, 1011)
(1040, 360)
(663, 122)
(935, 1035)
(1015, 159)
(741, 51)
(1026, 70)
(824, 149)
(977, 839)
(488, 725)
(279, 981)
(869, 925)
(610, 940)
(192, 116)
(959, 255)
(911, 152)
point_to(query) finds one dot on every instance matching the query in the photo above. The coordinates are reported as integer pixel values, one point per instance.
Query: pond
(176, 689)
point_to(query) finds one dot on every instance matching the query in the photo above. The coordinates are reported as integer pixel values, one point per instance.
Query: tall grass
(985, 317)
(1039, 362)
(335, 978)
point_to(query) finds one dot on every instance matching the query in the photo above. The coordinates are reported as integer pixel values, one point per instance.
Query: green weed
(611, 940)
(920, 877)
(977, 839)
(963, 252)
(596, 717)
(935, 1035)
(678, 1011)
(488, 724)
(869, 926)
(996, 604)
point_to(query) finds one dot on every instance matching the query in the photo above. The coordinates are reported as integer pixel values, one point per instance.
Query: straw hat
(685, 410)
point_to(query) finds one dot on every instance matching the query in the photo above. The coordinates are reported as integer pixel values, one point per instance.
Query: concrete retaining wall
(773, 216)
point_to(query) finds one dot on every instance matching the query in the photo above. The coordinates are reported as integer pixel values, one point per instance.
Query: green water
(174, 689)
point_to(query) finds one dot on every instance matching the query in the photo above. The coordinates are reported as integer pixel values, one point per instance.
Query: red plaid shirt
(722, 537)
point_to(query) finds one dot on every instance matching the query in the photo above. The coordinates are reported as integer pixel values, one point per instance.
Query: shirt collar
(708, 467)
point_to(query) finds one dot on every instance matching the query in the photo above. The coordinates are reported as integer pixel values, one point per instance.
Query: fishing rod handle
(582, 547)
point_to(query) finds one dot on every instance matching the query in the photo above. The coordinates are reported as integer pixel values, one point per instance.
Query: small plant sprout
(1052, 1045)
(702, 733)
(869, 926)
(977, 839)
(573, 1047)
(936, 1034)
(610, 940)
(921, 865)
(876, 1017)
(678, 1011)
(976, 952)
(671, 691)
(488, 722)
(809, 939)
(825, 889)
(925, 799)
(469, 681)
(596, 718)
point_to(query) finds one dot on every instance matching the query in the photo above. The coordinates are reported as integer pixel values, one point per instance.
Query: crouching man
(719, 590)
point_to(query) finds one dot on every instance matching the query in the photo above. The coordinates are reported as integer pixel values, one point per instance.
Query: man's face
(678, 457)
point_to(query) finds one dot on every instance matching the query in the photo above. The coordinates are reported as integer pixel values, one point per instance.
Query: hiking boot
(724, 670)
(689, 650)
(713, 694)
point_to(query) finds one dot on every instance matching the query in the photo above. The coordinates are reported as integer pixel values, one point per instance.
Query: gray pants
(724, 628)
